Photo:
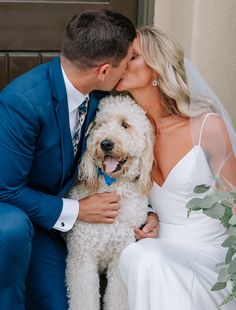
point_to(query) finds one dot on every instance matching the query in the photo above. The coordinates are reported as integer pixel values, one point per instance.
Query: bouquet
(221, 205)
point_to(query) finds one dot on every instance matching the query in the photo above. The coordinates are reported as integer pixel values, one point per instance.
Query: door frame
(145, 12)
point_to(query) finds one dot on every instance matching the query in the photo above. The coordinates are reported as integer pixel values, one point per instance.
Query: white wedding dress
(177, 270)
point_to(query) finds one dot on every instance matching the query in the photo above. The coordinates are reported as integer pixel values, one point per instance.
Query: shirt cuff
(68, 216)
(150, 209)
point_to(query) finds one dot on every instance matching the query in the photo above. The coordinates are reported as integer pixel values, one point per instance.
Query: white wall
(207, 31)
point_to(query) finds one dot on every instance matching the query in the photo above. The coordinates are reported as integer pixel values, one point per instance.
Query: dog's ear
(145, 178)
(88, 173)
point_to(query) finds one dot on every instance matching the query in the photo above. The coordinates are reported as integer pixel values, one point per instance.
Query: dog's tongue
(110, 164)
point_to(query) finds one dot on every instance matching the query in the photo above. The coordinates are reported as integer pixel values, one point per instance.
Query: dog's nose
(107, 145)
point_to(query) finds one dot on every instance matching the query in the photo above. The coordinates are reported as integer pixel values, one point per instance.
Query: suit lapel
(62, 115)
(92, 108)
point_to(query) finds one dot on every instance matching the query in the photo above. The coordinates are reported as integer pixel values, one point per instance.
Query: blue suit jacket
(37, 165)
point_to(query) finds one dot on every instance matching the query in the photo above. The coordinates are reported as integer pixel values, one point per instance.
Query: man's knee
(16, 233)
(15, 227)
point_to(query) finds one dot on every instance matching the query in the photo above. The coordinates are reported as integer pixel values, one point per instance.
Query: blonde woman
(194, 141)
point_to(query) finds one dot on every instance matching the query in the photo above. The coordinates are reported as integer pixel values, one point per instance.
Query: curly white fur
(93, 248)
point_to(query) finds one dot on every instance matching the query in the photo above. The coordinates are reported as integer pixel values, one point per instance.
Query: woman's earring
(154, 83)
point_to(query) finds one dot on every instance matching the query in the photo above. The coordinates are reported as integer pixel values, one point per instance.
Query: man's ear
(103, 71)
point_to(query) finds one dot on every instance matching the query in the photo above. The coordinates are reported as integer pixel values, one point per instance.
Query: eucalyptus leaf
(229, 255)
(194, 203)
(232, 220)
(232, 266)
(228, 214)
(219, 286)
(223, 274)
(208, 202)
(229, 242)
(226, 203)
(223, 195)
(216, 212)
(199, 189)
(232, 231)
(218, 204)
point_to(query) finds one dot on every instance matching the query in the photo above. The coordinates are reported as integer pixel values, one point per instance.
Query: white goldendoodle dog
(119, 158)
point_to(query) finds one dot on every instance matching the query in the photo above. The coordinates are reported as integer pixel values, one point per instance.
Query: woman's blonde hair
(166, 58)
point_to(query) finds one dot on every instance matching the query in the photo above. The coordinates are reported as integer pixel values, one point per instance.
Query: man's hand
(150, 229)
(99, 208)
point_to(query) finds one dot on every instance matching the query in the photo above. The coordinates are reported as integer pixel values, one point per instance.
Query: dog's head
(120, 143)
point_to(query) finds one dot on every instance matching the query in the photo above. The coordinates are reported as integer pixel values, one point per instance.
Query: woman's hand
(150, 229)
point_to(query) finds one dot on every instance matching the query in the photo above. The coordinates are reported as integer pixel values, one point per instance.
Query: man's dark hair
(97, 36)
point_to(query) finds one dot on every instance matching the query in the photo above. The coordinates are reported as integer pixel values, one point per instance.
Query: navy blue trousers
(32, 264)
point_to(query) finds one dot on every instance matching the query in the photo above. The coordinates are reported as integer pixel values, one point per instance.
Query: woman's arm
(218, 149)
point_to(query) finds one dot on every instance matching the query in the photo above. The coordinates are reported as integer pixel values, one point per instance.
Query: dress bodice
(170, 199)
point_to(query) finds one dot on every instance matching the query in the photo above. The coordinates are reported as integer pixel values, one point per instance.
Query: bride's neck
(150, 100)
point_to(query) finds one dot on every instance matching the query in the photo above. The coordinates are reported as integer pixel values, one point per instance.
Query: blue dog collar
(109, 181)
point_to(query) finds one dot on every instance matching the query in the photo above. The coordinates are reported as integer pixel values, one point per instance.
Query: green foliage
(219, 205)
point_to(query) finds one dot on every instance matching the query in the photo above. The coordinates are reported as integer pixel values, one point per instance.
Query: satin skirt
(162, 274)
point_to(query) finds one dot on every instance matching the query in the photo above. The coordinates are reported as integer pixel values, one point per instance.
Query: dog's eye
(124, 125)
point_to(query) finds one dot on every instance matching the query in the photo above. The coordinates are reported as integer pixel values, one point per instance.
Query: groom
(44, 117)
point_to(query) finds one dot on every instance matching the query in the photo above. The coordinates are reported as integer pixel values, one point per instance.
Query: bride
(194, 141)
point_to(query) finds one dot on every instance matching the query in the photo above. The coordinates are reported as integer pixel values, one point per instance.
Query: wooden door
(31, 30)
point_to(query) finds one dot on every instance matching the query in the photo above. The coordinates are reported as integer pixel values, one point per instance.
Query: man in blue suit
(38, 116)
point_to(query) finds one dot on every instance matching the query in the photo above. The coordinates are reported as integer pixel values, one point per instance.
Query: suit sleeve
(19, 129)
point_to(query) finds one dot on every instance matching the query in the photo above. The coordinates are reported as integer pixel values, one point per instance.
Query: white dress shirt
(70, 208)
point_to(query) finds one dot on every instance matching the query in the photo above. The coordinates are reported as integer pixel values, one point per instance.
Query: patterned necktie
(81, 114)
